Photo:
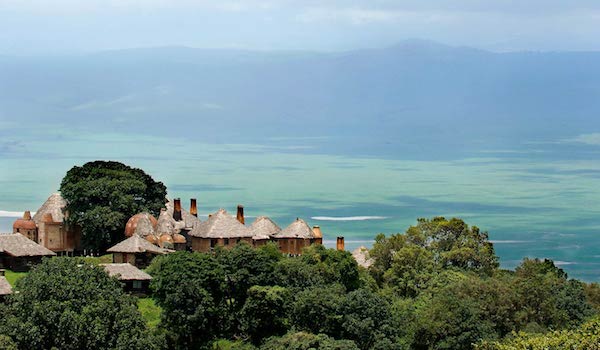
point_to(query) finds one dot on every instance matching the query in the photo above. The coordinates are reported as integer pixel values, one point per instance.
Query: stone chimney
(340, 243)
(240, 214)
(177, 209)
(317, 231)
(193, 207)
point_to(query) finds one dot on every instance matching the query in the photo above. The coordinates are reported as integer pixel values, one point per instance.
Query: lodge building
(175, 229)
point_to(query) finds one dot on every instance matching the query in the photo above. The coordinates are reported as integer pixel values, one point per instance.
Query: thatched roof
(263, 228)
(5, 287)
(18, 245)
(188, 219)
(136, 244)
(126, 272)
(362, 257)
(221, 225)
(142, 224)
(54, 206)
(168, 225)
(297, 229)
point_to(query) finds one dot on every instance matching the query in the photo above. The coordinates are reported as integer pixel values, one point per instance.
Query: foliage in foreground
(66, 305)
(436, 287)
(587, 337)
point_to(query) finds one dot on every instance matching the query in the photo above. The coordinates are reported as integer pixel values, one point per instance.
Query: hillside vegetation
(437, 286)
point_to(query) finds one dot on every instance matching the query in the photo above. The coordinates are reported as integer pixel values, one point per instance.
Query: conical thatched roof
(188, 219)
(5, 287)
(132, 228)
(221, 225)
(361, 255)
(167, 225)
(136, 244)
(18, 245)
(263, 228)
(54, 206)
(126, 272)
(144, 226)
(297, 229)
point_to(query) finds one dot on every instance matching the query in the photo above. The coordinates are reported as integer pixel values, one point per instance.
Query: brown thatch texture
(136, 244)
(263, 228)
(221, 225)
(54, 206)
(144, 225)
(189, 220)
(126, 272)
(297, 229)
(147, 226)
(18, 245)
(166, 224)
(5, 287)
(361, 255)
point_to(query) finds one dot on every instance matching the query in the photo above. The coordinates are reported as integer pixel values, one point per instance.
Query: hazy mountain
(416, 99)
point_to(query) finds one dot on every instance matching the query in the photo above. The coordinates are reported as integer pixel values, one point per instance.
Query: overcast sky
(59, 26)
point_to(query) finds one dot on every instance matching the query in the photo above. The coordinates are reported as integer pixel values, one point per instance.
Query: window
(213, 243)
(226, 241)
(137, 284)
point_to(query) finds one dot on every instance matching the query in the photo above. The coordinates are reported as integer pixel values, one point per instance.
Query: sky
(29, 27)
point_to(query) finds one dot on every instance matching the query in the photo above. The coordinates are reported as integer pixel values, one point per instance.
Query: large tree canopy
(101, 196)
(65, 304)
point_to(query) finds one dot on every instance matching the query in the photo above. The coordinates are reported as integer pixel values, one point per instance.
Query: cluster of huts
(46, 234)
(178, 229)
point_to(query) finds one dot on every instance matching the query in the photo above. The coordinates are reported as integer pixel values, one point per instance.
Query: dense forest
(437, 286)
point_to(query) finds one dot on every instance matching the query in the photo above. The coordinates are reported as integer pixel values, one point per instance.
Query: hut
(5, 287)
(19, 253)
(53, 233)
(262, 229)
(221, 229)
(141, 224)
(134, 280)
(362, 257)
(295, 237)
(136, 251)
(26, 226)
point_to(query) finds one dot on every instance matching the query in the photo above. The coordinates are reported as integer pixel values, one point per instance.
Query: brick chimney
(340, 243)
(240, 214)
(193, 207)
(177, 209)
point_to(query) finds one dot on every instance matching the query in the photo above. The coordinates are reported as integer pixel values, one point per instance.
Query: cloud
(592, 139)
(367, 15)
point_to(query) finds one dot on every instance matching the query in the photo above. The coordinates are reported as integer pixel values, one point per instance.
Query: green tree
(68, 305)
(334, 265)
(450, 322)
(190, 289)
(264, 313)
(367, 319)
(455, 244)
(101, 196)
(546, 297)
(411, 270)
(307, 341)
(7, 344)
(316, 310)
(244, 267)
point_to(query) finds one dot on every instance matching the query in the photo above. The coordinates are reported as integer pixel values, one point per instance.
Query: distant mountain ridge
(414, 99)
